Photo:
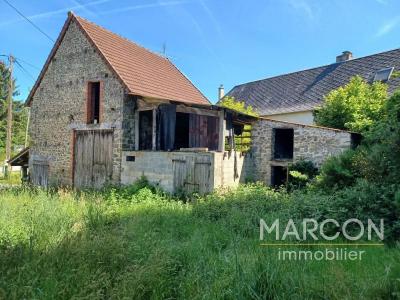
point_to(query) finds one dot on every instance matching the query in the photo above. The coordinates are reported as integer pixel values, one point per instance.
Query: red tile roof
(141, 71)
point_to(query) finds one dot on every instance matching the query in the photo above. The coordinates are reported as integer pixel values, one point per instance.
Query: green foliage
(363, 200)
(353, 107)
(338, 171)
(146, 245)
(364, 182)
(20, 115)
(14, 178)
(242, 142)
(377, 159)
(301, 173)
(395, 74)
(240, 106)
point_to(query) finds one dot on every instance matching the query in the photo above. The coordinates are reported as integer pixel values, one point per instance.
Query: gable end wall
(59, 106)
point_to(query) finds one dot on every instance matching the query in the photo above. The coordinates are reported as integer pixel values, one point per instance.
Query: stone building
(105, 110)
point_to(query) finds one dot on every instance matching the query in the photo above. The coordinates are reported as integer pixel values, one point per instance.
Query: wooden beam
(154, 132)
(197, 111)
(222, 125)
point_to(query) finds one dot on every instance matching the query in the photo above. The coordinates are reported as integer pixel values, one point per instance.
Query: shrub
(338, 171)
(363, 201)
(301, 173)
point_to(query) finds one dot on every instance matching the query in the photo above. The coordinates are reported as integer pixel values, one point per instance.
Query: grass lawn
(138, 244)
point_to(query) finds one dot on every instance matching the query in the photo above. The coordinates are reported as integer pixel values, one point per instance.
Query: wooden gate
(192, 173)
(93, 158)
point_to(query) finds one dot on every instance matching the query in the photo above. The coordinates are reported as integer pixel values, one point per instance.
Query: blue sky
(214, 41)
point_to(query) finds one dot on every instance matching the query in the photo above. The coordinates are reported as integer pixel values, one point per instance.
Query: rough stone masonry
(59, 106)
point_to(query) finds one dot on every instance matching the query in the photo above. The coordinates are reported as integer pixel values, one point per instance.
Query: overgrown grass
(14, 178)
(141, 244)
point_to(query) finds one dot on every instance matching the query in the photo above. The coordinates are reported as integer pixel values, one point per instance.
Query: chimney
(345, 56)
(221, 92)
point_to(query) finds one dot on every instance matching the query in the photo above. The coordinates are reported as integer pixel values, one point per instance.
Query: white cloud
(52, 13)
(142, 6)
(388, 26)
(302, 6)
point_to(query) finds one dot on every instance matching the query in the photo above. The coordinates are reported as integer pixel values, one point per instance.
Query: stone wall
(59, 106)
(310, 143)
(128, 124)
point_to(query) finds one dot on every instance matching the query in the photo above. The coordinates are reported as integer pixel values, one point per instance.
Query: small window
(146, 130)
(93, 103)
(383, 75)
(283, 143)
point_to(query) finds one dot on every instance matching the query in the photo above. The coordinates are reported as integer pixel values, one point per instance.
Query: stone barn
(105, 110)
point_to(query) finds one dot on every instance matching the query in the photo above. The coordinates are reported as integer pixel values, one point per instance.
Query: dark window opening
(93, 104)
(130, 158)
(182, 131)
(166, 123)
(278, 176)
(146, 130)
(283, 143)
(355, 140)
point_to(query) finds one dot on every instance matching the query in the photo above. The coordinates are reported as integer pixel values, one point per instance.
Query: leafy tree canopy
(240, 106)
(355, 107)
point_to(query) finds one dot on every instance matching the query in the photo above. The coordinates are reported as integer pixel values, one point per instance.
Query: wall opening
(93, 103)
(182, 130)
(355, 140)
(279, 176)
(283, 143)
(146, 130)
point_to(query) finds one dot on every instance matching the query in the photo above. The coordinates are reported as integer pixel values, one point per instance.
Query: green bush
(364, 200)
(338, 172)
(301, 173)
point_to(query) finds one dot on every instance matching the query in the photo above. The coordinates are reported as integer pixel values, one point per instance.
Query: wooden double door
(193, 173)
(93, 158)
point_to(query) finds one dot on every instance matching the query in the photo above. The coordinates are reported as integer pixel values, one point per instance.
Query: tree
(20, 115)
(240, 106)
(355, 107)
(376, 160)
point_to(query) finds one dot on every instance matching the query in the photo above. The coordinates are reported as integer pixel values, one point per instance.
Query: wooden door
(93, 158)
(192, 173)
(40, 174)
